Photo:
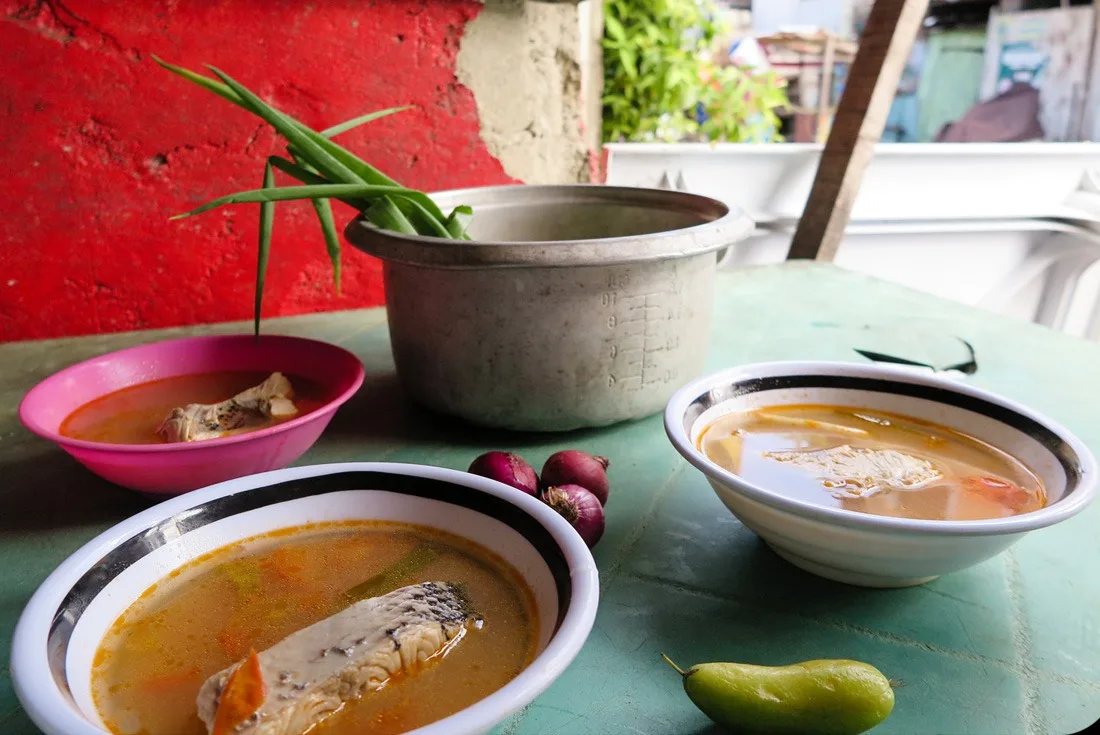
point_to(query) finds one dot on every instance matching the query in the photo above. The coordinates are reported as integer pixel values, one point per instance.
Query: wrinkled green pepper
(825, 697)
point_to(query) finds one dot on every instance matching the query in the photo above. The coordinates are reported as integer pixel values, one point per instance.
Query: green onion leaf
(362, 120)
(371, 175)
(384, 214)
(368, 173)
(323, 208)
(216, 87)
(317, 157)
(421, 218)
(289, 193)
(332, 240)
(305, 173)
(267, 218)
(458, 221)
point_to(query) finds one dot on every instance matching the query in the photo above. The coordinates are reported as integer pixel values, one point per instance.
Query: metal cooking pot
(573, 306)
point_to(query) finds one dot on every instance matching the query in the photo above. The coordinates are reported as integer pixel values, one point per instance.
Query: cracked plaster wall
(535, 76)
(99, 146)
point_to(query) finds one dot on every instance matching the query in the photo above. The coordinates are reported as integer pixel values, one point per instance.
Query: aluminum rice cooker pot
(571, 306)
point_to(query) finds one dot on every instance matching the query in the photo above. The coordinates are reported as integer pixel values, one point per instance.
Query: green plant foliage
(658, 73)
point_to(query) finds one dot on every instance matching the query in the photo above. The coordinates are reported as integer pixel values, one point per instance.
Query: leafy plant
(741, 106)
(659, 76)
(327, 171)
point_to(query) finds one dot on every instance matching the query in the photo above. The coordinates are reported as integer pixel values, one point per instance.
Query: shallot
(578, 506)
(574, 467)
(511, 469)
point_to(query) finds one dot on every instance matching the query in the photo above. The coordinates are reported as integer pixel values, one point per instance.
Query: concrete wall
(100, 146)
(535, 77)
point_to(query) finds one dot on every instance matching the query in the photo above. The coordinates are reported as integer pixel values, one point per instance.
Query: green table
(1011, 646)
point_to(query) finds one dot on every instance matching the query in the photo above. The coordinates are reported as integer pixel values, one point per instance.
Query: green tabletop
(1010, 646)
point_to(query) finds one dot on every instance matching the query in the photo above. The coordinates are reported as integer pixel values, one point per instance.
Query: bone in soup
(187, 408)
(334, 629)
(872, 462)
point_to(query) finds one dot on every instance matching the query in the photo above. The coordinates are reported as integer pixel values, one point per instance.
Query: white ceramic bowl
(62, 625)
(860, 548)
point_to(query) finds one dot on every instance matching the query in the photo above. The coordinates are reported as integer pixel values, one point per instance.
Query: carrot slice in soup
(244, 693)
(999, 491)
(171, 681)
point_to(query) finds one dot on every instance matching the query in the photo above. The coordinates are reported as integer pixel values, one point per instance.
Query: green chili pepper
(827, 697)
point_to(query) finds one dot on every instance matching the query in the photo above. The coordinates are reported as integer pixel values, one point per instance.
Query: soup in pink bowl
(274, 397)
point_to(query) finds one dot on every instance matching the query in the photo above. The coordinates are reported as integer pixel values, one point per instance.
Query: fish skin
(311, 673)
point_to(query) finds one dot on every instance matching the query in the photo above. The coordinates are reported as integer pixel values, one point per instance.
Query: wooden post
(884, 47)
(825, 94)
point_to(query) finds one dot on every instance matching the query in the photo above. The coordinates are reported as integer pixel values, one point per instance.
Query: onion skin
(511, 469)
(574, 467)
(581, 508)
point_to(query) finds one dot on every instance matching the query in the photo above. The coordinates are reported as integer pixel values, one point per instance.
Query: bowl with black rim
(61, 628)
(877, 550)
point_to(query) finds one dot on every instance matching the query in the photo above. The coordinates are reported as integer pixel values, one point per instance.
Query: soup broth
(872, 462)
(131, 415)
(251, 595)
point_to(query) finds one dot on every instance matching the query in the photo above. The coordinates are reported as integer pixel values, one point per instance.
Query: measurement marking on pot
(640, 336)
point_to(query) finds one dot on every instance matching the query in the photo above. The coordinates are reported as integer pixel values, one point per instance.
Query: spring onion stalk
(303, 172)
(361, 120)
(458, 221)
(326, 171)
(267, 219)
(323, 210)
(343, 192)
(385, 214)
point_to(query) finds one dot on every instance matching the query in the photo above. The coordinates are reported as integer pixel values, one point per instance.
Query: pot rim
(727, 224)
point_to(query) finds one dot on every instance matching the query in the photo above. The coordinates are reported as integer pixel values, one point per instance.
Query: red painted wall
(99, 146)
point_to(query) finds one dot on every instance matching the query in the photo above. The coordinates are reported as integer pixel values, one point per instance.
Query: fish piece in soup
(872, 462)
(255, 408)
(133, 414)
(860, 471)
(311, 674)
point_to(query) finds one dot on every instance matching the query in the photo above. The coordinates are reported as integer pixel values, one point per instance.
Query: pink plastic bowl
(170, 469)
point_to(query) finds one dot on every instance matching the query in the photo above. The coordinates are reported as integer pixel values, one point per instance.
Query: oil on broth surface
(940, 473)
(131, 415)
(155, 657)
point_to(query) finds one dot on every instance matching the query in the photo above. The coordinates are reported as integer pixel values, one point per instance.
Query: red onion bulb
(574, 467)
(578, 506)
(511, 469)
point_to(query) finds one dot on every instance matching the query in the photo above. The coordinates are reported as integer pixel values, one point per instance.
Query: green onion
(304, 173)
(422, 218)
(332, 241)
(323, 208)
(326, 171)
(290, 193)
(458, 221)
(267, 218)
(385, 214)
(361, 120)
(318, 157)
(216, 87)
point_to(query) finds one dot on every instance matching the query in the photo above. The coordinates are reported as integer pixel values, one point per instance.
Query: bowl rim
(1057, 511)
(49, 708)
(30, 421)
